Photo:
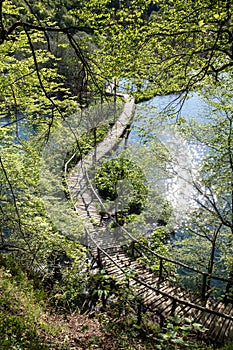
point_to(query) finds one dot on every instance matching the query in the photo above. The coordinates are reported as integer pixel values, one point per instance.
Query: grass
(21, 310)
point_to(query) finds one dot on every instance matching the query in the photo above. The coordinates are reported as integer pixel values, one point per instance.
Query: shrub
(122, 180)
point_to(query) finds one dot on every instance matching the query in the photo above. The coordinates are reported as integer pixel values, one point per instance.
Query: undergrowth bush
(21, 309)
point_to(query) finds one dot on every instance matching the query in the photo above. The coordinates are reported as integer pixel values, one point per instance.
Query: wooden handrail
(184, 302)
(159, 256)
(175, 300)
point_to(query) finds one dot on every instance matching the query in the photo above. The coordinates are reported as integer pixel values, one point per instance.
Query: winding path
(81, 191)
(157, 293)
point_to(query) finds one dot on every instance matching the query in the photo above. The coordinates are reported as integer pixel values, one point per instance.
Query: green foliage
(228, 346)
(174, 47)
(28, 92)
(157, 243)
(104, 287)
(20, 313)
(178, 46)
(108, 181)
(177, 334)
(27, 316)
(25, 226)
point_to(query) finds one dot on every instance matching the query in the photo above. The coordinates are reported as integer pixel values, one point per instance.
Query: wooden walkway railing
(166, 298)
(141, 249)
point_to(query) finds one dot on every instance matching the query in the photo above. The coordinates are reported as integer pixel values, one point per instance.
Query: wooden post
(160, 268)
(98, 257)
(139, 315)
(203, 290)
(133, 248)
(162, 320)
(173, 307)
(104, 301)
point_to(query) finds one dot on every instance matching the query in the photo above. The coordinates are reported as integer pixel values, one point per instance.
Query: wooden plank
(224, 324)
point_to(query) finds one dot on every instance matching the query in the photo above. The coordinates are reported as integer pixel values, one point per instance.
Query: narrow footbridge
(157, 290)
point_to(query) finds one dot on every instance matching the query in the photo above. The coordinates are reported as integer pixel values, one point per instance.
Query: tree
(181, 45)
(178, 46)
(193, 41)
(211, 219)
(36, 96)
(34, 101)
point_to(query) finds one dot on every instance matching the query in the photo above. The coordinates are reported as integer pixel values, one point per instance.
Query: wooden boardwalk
(81, 191)
(161, 296)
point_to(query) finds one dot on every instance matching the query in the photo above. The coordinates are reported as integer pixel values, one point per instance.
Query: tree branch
(2, 29)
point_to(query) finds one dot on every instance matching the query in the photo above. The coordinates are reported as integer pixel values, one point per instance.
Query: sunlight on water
(185, 158)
